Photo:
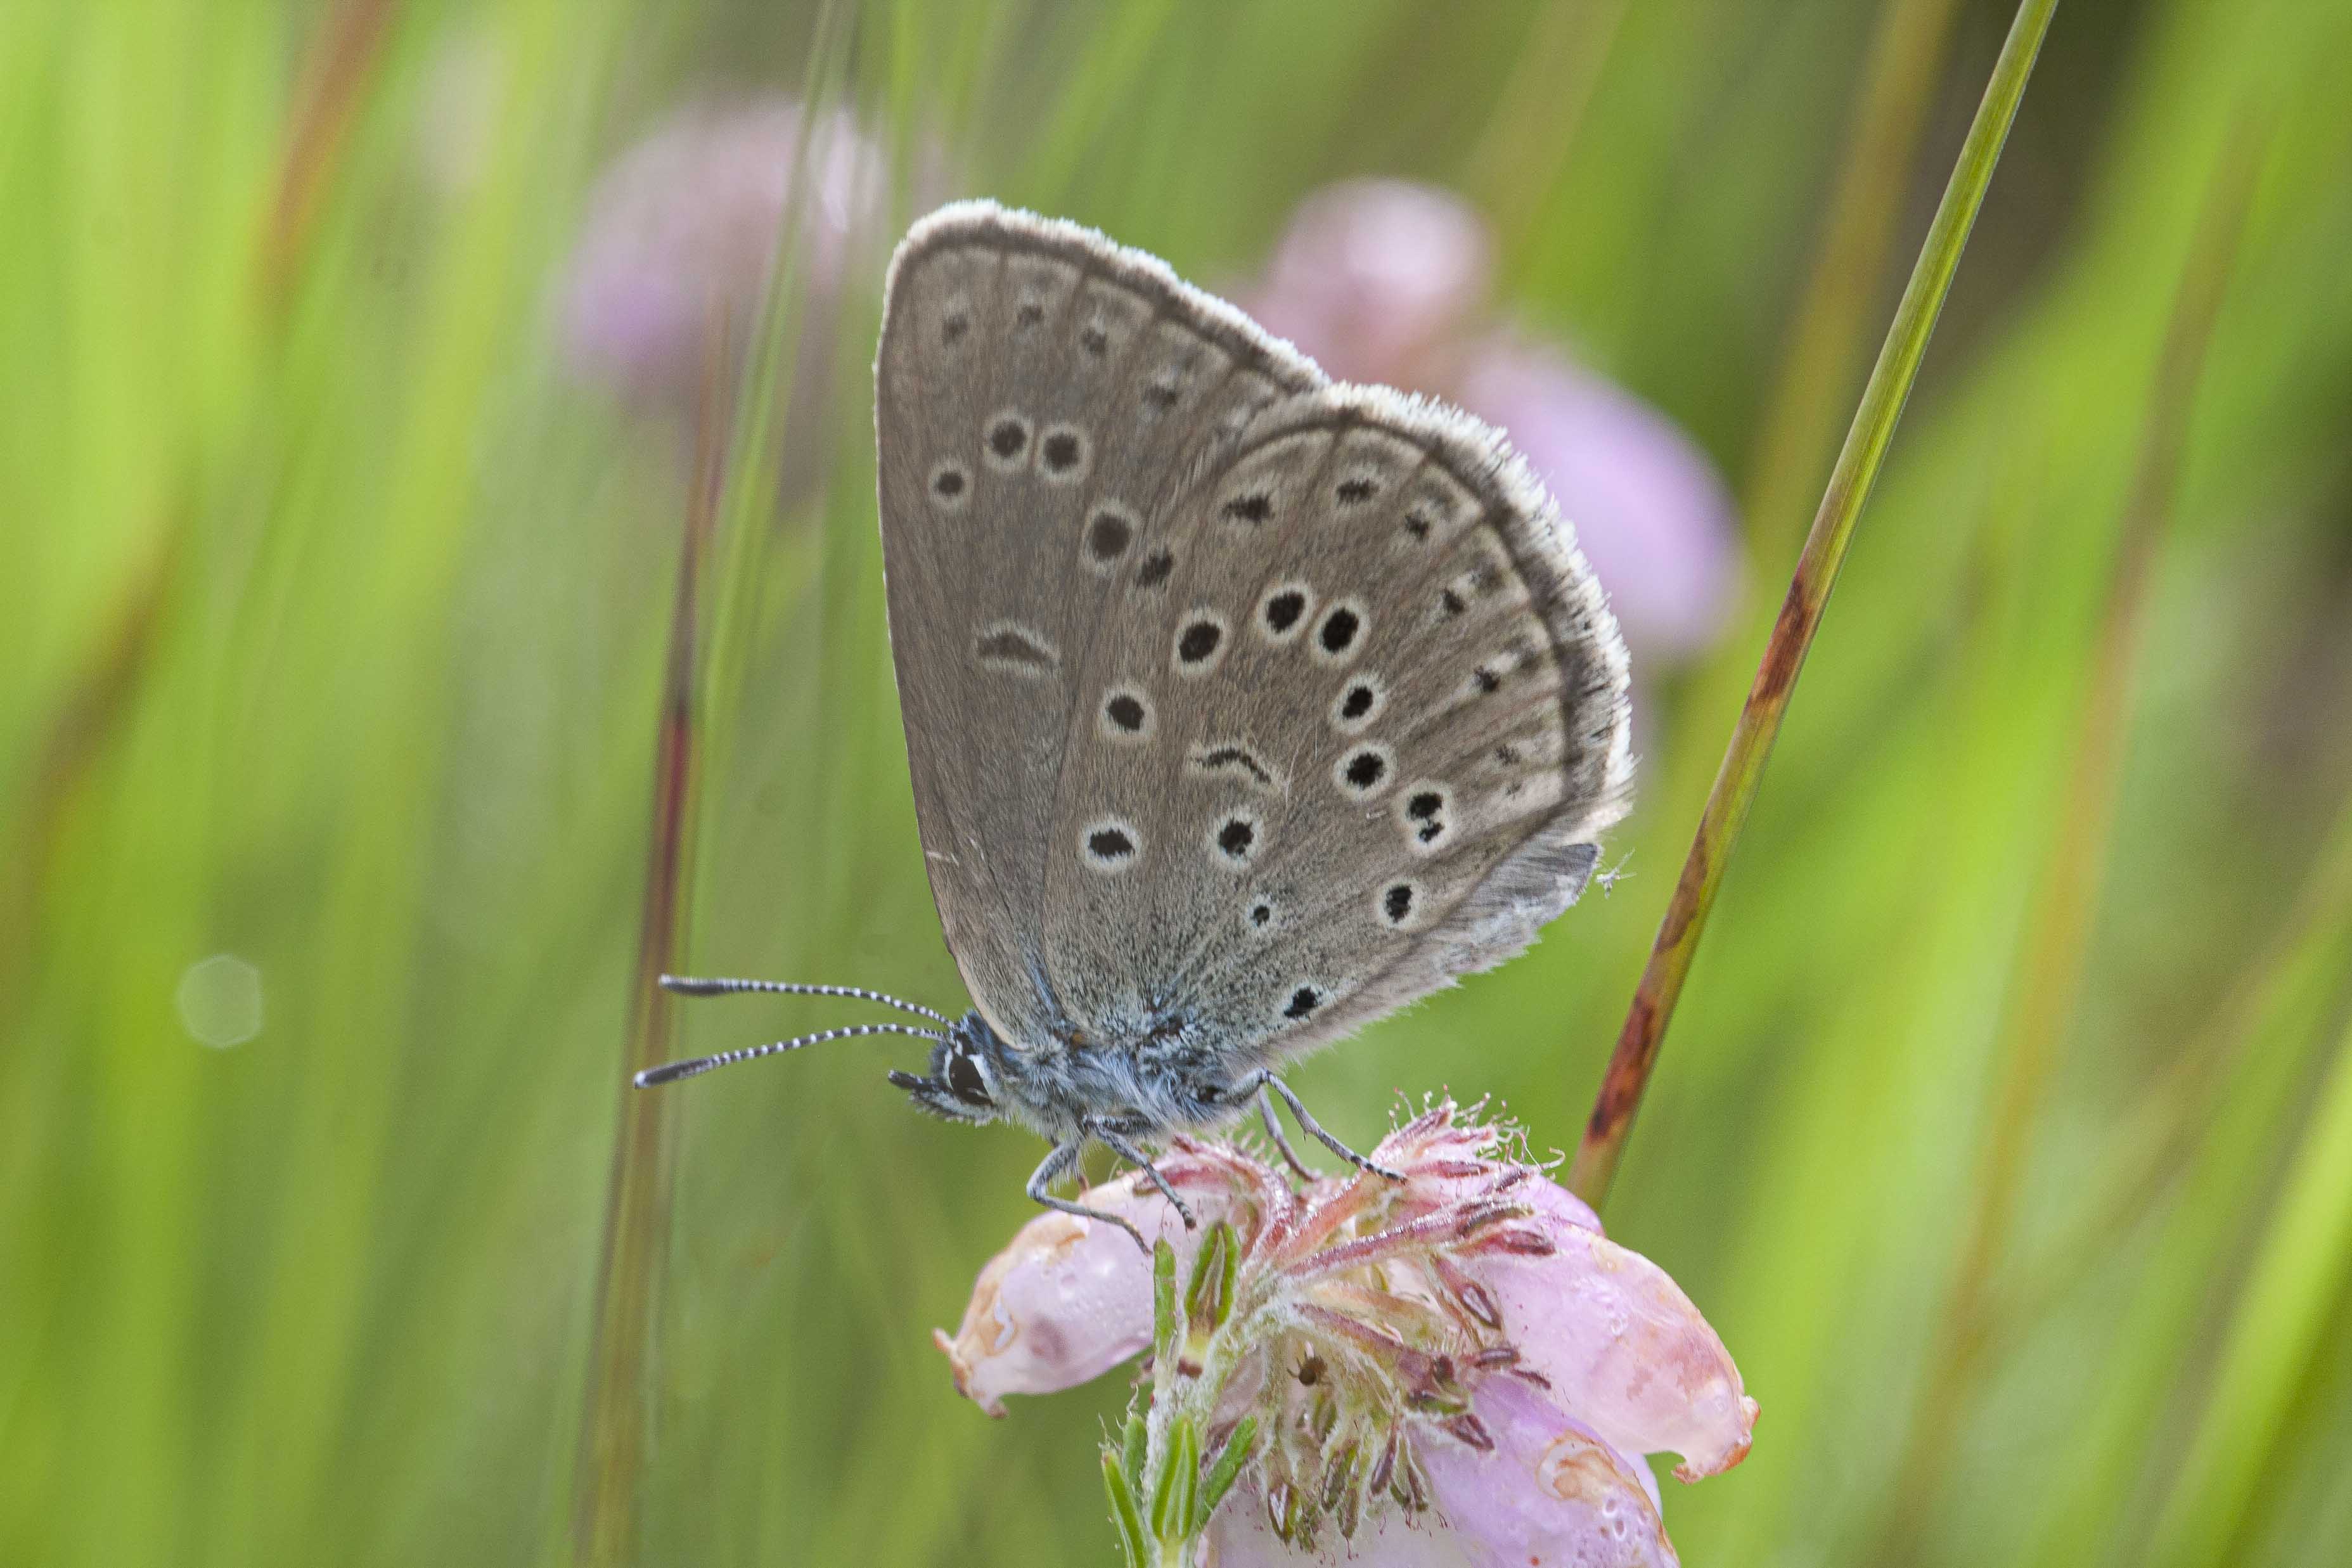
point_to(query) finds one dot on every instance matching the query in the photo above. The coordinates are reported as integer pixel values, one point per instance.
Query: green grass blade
(2305, 1264)
(1850, 484)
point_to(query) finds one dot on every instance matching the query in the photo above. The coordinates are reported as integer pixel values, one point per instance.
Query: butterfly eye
(964, 1080)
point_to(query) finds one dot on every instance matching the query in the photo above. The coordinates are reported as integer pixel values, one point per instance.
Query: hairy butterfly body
(1241, 706)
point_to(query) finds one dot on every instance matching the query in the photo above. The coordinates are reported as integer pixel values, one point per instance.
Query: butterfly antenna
(671, 1072)
(687, 986)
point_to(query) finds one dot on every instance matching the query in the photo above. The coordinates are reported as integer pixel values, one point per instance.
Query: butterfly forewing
(1018, 524)
(1276, 705)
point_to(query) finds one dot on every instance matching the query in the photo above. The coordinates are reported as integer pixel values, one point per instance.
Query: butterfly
(1242, 706)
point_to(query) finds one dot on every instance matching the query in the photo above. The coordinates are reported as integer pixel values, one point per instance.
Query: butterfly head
(968, 1071)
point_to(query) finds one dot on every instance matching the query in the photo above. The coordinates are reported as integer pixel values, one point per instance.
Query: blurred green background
(2006, 1129)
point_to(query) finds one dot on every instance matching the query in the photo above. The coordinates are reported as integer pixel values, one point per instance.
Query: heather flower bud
(1069, 1301)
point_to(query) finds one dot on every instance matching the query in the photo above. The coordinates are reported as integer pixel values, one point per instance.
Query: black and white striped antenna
(688, 986)
(671, 1072)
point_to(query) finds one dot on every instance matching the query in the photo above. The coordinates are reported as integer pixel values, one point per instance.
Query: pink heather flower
(1373, 277)
(1385, 281)
(1071, 1298)
(680, 231)
(1458, 1368)
(1551, 1491)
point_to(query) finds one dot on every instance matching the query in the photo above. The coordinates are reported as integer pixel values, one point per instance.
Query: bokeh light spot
(220, 1001)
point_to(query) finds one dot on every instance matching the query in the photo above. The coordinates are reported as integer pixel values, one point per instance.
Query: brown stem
(341, 63)
(95, 705)
(1849, 485)
(618, 1407)
(100, 696)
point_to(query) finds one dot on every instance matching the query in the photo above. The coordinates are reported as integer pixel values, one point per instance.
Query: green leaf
(1139, 1441)
(1123, 1515)
(1209, 1299)
(1180, 1469)
(1231, 1459)
(1163, 1306)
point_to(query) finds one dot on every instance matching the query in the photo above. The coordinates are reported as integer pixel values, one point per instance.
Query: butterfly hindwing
(1392, 767)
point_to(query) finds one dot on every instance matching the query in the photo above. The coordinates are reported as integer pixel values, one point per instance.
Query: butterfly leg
(1119, 1143)
(1064, 1156)
(1281, 1143)
(1315, 1130)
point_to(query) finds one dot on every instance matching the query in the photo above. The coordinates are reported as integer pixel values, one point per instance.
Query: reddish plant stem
(1858, 463)
(617, 1415)
(334, 78)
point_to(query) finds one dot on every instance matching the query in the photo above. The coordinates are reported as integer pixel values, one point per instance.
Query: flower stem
(1849, 485)
(618, 1405)
(1161, 1469)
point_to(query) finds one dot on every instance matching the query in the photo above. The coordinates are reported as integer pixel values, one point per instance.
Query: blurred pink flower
(680, 231)
(1374, 277)
(1385, 281)
(1650, 511)
(662, 292)
(1456, 1368)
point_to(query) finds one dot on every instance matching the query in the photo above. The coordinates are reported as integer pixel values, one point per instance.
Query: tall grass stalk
(2298, 1275)
(337, 74)
(341, 68)
(748, 487)
(734, 477)
(617, 1415)
(1858, 464)
(2161, 1132)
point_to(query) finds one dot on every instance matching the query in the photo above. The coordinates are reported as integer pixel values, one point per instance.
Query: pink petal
(1374, 275)
(1071, 1297)
(1624, 1349)
(1551, 1492)
(1555, 1202)
(1239, 1536)
(1650, 511)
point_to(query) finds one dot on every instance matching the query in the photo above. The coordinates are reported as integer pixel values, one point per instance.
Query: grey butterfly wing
(1388, 720)
(1017, 521)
